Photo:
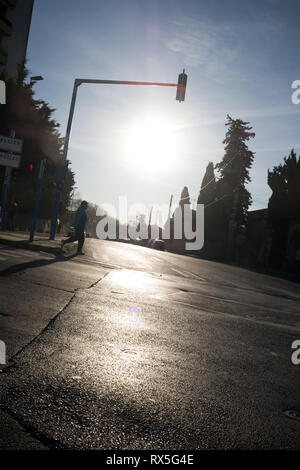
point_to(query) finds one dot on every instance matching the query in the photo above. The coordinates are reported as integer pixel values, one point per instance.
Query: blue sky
(241, 59)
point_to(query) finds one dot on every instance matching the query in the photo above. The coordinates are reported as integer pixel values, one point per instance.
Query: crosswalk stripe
(46, 255)
(8, 253)
(29, 255)
(5, 254)
(179, 272)
(188, 274)
(195, 276)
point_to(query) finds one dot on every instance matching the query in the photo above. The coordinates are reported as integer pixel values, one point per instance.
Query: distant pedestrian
(79, 225)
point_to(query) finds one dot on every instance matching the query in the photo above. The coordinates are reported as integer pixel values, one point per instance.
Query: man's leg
(72, 238)
(80, 237)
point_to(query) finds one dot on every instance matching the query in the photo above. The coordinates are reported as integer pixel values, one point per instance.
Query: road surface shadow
(60, 258)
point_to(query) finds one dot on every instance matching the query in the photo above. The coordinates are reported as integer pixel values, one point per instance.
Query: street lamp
(36, 78)
(180, 87)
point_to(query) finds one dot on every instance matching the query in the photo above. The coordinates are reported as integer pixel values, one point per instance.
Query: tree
(284, 180)
(284, 203)
(207, 192)
(234, 175)
(33, 123)
(207, 196)
(185, 197)
(177, 219)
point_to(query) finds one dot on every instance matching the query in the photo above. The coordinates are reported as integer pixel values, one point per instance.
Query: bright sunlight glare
(150, 145)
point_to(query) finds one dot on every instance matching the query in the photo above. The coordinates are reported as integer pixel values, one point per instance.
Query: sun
(150, 145)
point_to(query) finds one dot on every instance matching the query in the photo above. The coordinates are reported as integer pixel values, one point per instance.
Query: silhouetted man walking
(80, 223)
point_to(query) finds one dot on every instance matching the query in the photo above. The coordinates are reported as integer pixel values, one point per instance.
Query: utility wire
(207, 184)
(217, 200)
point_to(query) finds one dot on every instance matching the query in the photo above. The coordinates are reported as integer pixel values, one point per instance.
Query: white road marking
(26, 254)
(188, 274)
(46, 255)
(195, 276)
(179, 272)
(6, 254)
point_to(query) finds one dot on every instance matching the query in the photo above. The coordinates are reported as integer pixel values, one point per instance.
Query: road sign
(9, 159)
(11, 144)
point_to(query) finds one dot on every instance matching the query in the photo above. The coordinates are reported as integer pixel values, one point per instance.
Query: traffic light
(181, 86)
(31, 171)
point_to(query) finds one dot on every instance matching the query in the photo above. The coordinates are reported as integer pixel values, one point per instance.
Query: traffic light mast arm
(79, 81)
(181, 87)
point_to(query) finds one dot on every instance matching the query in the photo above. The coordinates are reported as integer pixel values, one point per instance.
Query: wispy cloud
(218, 47)
(281, 148)
(254, 113)
(204, 44)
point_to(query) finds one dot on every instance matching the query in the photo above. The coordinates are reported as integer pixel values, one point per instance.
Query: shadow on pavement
(35, 264)
(26, 245)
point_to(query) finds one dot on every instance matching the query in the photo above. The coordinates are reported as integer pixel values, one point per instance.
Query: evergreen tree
(207, 196)
(207, 192)
(33, 123)
(185, 197)
(234, 171)
(178, 214)
(284, 181)
(284, 204)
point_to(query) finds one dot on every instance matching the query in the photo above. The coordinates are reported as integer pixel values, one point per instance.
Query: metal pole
(37, 199)
(149, 223)
(71, 205)
(64, 162)
(5, 187)
(170, 205)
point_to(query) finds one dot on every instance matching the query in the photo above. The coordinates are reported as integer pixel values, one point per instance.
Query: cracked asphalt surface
(129, 348)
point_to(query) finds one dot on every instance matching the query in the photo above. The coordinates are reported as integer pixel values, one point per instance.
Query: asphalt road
(130, 348)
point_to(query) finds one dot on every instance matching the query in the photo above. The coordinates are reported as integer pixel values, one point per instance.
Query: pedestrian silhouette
(80, 223)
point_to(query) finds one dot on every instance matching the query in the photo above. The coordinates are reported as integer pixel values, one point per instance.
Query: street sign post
(37, 199)
(11, 144)
(4, 192)
(10, 159)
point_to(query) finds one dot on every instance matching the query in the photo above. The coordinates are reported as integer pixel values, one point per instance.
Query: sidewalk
(21, 240)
